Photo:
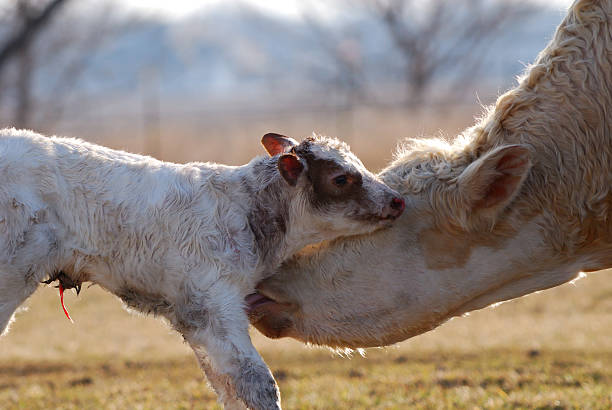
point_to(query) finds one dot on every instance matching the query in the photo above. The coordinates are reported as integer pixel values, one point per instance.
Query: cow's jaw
(376, 295)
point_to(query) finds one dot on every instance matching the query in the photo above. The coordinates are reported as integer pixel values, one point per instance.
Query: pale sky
(286, 8)
(180, 8)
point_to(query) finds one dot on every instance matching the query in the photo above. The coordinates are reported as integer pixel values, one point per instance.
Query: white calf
(185, 242)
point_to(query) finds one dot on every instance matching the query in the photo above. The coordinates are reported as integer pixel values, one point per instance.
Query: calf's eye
(341, 180)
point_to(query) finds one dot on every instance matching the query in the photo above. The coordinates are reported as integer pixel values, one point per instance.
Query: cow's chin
(272, 318)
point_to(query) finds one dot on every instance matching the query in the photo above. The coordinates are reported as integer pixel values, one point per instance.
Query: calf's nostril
(398, 204)
(393, 209)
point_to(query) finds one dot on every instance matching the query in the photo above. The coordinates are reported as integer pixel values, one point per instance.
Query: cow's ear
(290, 168)
(277, 144)
(493, 180)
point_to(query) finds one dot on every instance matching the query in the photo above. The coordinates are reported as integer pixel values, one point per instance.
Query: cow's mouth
(272, 318)
(255, 301)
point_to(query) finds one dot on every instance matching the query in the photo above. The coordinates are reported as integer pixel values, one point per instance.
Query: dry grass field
(552, 350)
(234, 138)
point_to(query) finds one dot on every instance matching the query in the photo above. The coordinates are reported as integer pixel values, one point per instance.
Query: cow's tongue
(255, 300)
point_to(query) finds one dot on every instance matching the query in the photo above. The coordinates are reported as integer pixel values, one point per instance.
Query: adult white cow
(520, 202)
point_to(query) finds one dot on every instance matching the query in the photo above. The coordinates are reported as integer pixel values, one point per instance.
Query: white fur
(168, 239)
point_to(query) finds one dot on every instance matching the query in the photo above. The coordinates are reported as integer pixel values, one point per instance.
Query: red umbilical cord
(61, 290)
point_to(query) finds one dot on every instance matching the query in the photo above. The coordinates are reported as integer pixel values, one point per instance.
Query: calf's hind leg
(217, 330)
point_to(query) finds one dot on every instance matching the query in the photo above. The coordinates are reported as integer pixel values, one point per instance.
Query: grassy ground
(311, 380)
(551, 350)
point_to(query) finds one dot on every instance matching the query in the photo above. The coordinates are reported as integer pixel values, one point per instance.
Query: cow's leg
(15, 288)
(214, 323)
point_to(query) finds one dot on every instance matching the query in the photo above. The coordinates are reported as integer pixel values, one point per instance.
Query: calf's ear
(277, 144)
(493, 180)
(290, 168)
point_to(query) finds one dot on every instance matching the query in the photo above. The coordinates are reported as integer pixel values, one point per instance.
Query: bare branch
(442, 34)
(344, 52)
(84, 45)
(31, 25)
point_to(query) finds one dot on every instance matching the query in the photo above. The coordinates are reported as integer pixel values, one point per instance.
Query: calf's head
(333, 194)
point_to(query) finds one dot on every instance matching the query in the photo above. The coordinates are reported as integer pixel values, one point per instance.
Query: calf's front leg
(15, 288)
(215, 325)
(218, 382)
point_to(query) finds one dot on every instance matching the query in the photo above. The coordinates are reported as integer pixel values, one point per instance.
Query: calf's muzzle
(393, 209)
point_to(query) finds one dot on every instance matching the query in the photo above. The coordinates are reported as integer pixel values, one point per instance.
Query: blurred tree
(30, 17)
(443, 35)
(45, 47)
(342, 49)
(342, 64)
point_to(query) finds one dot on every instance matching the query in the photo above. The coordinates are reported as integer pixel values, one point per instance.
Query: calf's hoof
(257, 388)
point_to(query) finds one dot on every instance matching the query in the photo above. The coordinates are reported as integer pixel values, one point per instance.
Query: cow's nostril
(398, 204)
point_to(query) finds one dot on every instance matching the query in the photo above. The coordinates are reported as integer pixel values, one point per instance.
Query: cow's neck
(561, 111)
(523, 264)
(558, 230)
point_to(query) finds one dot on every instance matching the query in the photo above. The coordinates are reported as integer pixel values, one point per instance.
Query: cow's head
(455, 249)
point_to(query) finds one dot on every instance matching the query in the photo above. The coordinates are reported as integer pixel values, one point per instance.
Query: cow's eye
(341, 180)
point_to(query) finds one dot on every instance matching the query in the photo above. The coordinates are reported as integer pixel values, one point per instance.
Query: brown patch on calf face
(337, 183)
(330, 183)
